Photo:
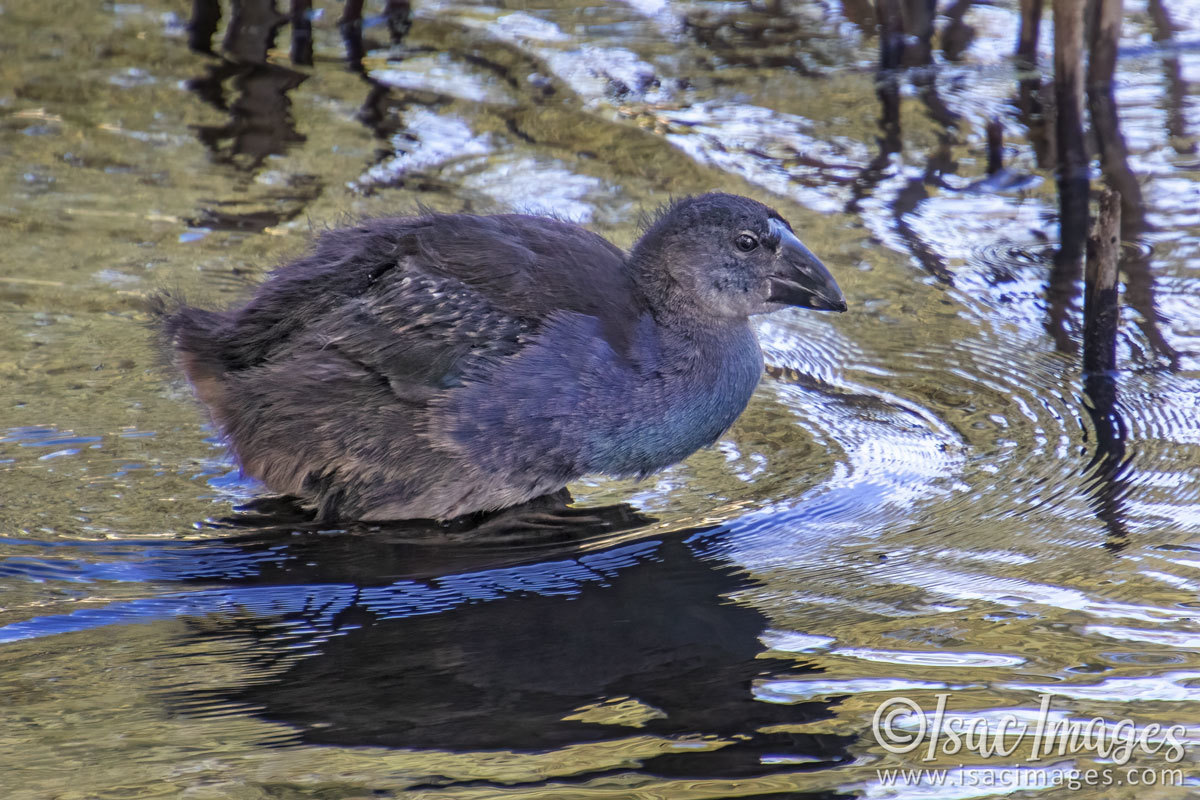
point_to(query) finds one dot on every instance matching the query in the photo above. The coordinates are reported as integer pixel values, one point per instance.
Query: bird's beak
(801, 279)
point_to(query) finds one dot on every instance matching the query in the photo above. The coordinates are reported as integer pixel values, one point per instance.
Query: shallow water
(917, 503)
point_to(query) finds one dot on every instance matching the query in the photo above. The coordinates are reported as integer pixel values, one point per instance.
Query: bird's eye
(745, 242)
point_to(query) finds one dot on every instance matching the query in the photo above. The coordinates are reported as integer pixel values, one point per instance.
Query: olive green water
(909, 508)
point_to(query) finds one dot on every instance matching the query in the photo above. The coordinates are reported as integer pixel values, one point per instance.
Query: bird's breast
(569, 404)
(674, 408)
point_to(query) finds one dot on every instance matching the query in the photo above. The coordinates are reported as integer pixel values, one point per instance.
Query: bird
(446, 364)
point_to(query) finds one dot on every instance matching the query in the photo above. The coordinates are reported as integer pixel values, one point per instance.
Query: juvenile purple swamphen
(443, 364)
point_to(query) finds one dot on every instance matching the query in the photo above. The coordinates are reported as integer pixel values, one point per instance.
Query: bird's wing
(422, 302)
(421, 334)
(532, 267)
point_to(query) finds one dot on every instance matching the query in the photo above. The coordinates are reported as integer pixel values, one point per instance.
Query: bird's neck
(706, 340)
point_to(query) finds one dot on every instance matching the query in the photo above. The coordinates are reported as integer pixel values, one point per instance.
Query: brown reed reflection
(905, 29)
(254, 91)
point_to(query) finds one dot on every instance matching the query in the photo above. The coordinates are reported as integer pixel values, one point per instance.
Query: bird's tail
(191, 339)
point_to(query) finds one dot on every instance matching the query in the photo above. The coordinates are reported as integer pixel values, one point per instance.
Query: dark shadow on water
(375, 638)
(593, 627)
(538, 529)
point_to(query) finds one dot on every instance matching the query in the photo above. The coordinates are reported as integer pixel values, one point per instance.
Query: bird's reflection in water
(389, 641)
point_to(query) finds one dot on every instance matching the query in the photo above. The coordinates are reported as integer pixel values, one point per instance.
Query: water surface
(920, 500)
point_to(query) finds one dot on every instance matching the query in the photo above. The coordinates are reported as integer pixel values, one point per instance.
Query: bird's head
(730, 257)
